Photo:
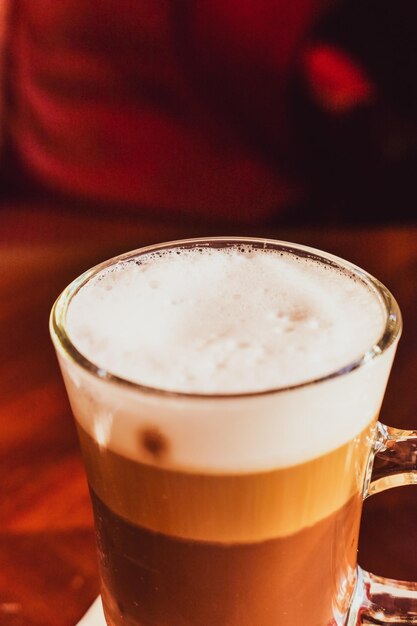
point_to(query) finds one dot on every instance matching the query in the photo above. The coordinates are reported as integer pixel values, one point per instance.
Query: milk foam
(223, 320)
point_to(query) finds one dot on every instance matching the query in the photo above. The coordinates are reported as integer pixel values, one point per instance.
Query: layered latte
(225, 457)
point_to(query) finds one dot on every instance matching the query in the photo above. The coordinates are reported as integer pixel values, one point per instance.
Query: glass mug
(182, 547)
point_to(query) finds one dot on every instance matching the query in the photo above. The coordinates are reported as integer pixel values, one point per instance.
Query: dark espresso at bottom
(152, 579)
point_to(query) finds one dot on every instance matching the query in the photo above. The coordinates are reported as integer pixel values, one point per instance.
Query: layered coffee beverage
(226, 415)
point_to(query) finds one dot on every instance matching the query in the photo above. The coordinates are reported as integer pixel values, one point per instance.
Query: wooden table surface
(48, 574)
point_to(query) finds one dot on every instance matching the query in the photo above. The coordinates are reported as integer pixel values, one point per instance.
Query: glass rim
(64, 345)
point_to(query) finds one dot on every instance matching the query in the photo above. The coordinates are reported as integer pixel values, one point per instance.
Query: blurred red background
(253, 111)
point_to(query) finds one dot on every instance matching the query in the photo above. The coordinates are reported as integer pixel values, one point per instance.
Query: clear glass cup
(182, 547)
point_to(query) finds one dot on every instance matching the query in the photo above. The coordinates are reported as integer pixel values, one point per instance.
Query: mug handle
(379, 600)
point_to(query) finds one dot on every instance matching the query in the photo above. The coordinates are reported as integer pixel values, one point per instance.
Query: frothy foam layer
(223, 320)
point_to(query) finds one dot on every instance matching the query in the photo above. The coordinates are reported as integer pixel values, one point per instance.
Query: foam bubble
(217, 320)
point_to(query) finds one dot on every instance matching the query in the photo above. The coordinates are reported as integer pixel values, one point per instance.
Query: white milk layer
(226, 321)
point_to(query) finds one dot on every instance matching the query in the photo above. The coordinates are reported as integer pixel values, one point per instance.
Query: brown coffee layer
(152, 579)
(231, 508)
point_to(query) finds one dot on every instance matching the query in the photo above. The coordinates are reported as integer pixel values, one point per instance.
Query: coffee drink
(226, 419)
